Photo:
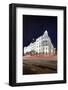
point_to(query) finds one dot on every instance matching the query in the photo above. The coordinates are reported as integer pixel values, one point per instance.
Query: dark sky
(34, 26)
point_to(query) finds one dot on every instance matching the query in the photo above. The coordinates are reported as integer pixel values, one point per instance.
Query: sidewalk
(35, 57)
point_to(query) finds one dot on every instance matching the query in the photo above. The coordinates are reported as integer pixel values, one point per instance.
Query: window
(46, 52)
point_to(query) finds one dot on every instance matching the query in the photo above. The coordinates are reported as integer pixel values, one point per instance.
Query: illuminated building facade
(42, 45)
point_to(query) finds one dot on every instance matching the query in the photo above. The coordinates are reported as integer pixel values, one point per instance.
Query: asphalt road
(39, 66)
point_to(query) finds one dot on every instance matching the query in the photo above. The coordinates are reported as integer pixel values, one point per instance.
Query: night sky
(34, 26)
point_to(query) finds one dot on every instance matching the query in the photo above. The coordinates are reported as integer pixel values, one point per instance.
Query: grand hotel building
(42, 45)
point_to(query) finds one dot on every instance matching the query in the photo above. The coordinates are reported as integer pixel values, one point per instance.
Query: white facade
(42, 45)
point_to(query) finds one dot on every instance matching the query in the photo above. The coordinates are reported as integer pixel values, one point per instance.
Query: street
(39, 66)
